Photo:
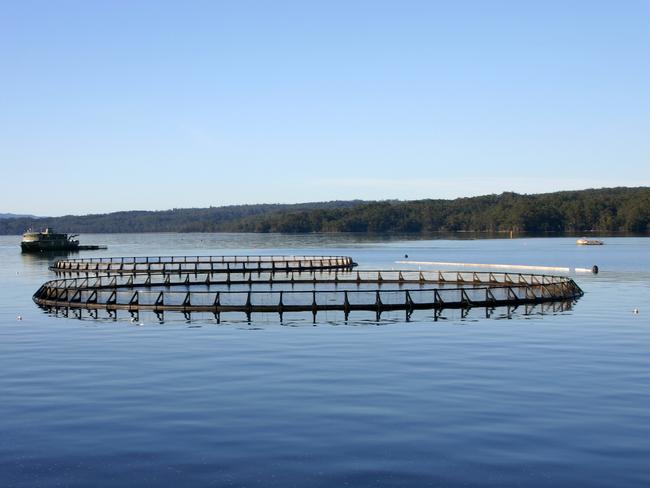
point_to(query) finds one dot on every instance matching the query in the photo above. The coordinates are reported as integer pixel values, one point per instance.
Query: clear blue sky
(120, 105)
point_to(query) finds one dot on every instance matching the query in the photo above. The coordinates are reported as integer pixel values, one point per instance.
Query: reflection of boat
(583, 241)
(48, 240)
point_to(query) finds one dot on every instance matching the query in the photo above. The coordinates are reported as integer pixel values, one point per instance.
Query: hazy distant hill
(14, 216)
(211, 219)
(606, 209)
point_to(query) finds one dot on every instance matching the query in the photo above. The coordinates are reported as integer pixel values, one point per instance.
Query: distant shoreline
(461, 234)
(605, 210)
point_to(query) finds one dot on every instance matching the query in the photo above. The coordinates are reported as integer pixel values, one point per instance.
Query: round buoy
(594, 269)
(636, 311)
(406, 256)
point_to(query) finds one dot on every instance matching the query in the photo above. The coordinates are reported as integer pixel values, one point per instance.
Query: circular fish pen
(248, 285)
(211, 264)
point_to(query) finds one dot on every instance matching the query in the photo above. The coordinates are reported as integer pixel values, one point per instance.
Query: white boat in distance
(583, 241)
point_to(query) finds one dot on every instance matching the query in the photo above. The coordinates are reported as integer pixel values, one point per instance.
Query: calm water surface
(539, 400)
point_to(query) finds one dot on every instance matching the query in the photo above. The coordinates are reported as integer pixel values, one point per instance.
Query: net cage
(312, 285)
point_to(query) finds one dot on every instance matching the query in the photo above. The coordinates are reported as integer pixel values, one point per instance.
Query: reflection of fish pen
(256, 286)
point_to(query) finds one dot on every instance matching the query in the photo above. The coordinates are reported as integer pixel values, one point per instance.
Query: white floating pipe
(505, 266)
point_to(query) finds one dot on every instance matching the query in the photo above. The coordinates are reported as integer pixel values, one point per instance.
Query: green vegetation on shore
(607, 209)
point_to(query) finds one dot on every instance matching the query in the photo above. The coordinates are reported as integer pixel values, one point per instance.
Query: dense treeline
(612, 209)
(608, 209)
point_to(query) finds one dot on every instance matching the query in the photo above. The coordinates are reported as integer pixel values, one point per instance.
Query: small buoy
(20, 317)
(406, 256)
(636, 311)
(594, 269)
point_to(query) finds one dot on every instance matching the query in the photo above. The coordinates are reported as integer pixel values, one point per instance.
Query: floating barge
(49, 240)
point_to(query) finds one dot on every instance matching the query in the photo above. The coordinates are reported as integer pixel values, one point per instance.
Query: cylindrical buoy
(594, 269)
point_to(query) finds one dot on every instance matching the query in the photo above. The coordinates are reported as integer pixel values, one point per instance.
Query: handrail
(377, 290)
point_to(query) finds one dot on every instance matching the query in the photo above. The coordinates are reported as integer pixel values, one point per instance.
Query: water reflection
(473, 314)
(37, 258)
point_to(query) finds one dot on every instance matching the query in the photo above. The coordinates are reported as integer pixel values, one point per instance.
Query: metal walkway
(213, 264)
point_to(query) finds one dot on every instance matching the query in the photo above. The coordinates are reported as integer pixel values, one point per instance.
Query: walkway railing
(304, 289)
(214, 264)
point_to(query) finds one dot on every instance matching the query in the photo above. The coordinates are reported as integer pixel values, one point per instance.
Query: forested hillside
(608, 209)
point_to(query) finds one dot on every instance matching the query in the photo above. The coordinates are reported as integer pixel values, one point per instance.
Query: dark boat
(48, 240)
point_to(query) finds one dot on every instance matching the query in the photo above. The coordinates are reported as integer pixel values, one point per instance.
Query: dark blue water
(538, 400)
